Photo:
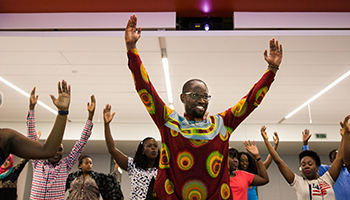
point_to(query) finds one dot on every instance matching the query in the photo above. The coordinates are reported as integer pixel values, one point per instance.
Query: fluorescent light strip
(27, 95)
(309, 108)
(318, 94)
(167, 81)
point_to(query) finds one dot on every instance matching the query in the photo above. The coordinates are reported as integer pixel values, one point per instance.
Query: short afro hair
(186, 87)
(311, 154)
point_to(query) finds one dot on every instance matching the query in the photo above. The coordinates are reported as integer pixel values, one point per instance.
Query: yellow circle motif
(147, 100)
(174, 133)
(185, 160)
(198, 143)
(144, 73)
(260, 95)
(164, 157)
(194, 190)
(240, 108)
(214, 163)
(169, 186)
(225, 191)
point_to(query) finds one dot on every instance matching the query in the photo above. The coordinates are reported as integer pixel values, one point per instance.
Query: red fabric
(240, 183)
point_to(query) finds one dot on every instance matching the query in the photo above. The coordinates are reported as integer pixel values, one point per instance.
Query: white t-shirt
(321, 188)
(140, 179)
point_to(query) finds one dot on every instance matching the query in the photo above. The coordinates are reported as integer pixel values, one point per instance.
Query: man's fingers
(53, 98)
(59, 87)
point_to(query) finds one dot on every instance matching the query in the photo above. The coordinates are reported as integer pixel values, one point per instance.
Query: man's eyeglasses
(196, 96)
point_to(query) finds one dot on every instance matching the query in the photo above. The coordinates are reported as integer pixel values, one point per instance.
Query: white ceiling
(229, 64)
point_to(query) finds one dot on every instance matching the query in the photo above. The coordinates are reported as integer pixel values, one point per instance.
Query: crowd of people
(194, 160)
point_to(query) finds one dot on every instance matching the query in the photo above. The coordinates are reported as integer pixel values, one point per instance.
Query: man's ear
(182, 97)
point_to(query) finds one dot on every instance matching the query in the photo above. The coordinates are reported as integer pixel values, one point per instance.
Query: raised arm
(143, 85)
(282, 166)
(31, 131)
(85, 135)
(337, 164)
(117, 155)
(306, 136)
(262, 177)
(276, 141)
(33, 99)
(91, 107)
(132, 33)
(274, 59)
(346, 139)
(14, 142)
(235, 115)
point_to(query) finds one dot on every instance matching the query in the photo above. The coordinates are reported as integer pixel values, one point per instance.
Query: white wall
(291, 133)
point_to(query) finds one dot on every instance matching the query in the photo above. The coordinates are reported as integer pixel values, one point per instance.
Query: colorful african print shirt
(194, 152)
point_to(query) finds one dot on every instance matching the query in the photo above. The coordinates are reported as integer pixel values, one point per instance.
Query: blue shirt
(342, 185)
(252, 194)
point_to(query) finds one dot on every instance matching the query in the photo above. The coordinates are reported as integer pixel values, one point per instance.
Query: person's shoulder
(325, 166)
(238, 171)
(322, 169)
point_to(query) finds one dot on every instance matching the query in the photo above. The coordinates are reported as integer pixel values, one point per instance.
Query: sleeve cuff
(305, 147)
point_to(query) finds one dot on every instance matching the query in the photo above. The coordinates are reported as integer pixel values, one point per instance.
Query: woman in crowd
(240, 180)
(247, 163)
(142, 168)
(8, 178)
(86, 184)
(310, 185)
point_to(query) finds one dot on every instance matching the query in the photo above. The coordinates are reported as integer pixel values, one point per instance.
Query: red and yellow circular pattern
(260, 95)
(198, 143)
(194, 190)
(185, 160)
(147, 100)
(240, 108)
(164, 157)
(144, 73)
(169, 186)
(214, 163)
(225, 191)
(174, 133)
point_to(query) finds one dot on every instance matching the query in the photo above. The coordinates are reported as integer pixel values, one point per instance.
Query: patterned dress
(140, 179)
(81, 189)
(106, 184)
(194, 152)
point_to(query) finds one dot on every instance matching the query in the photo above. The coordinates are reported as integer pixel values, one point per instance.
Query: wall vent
(321, 135)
